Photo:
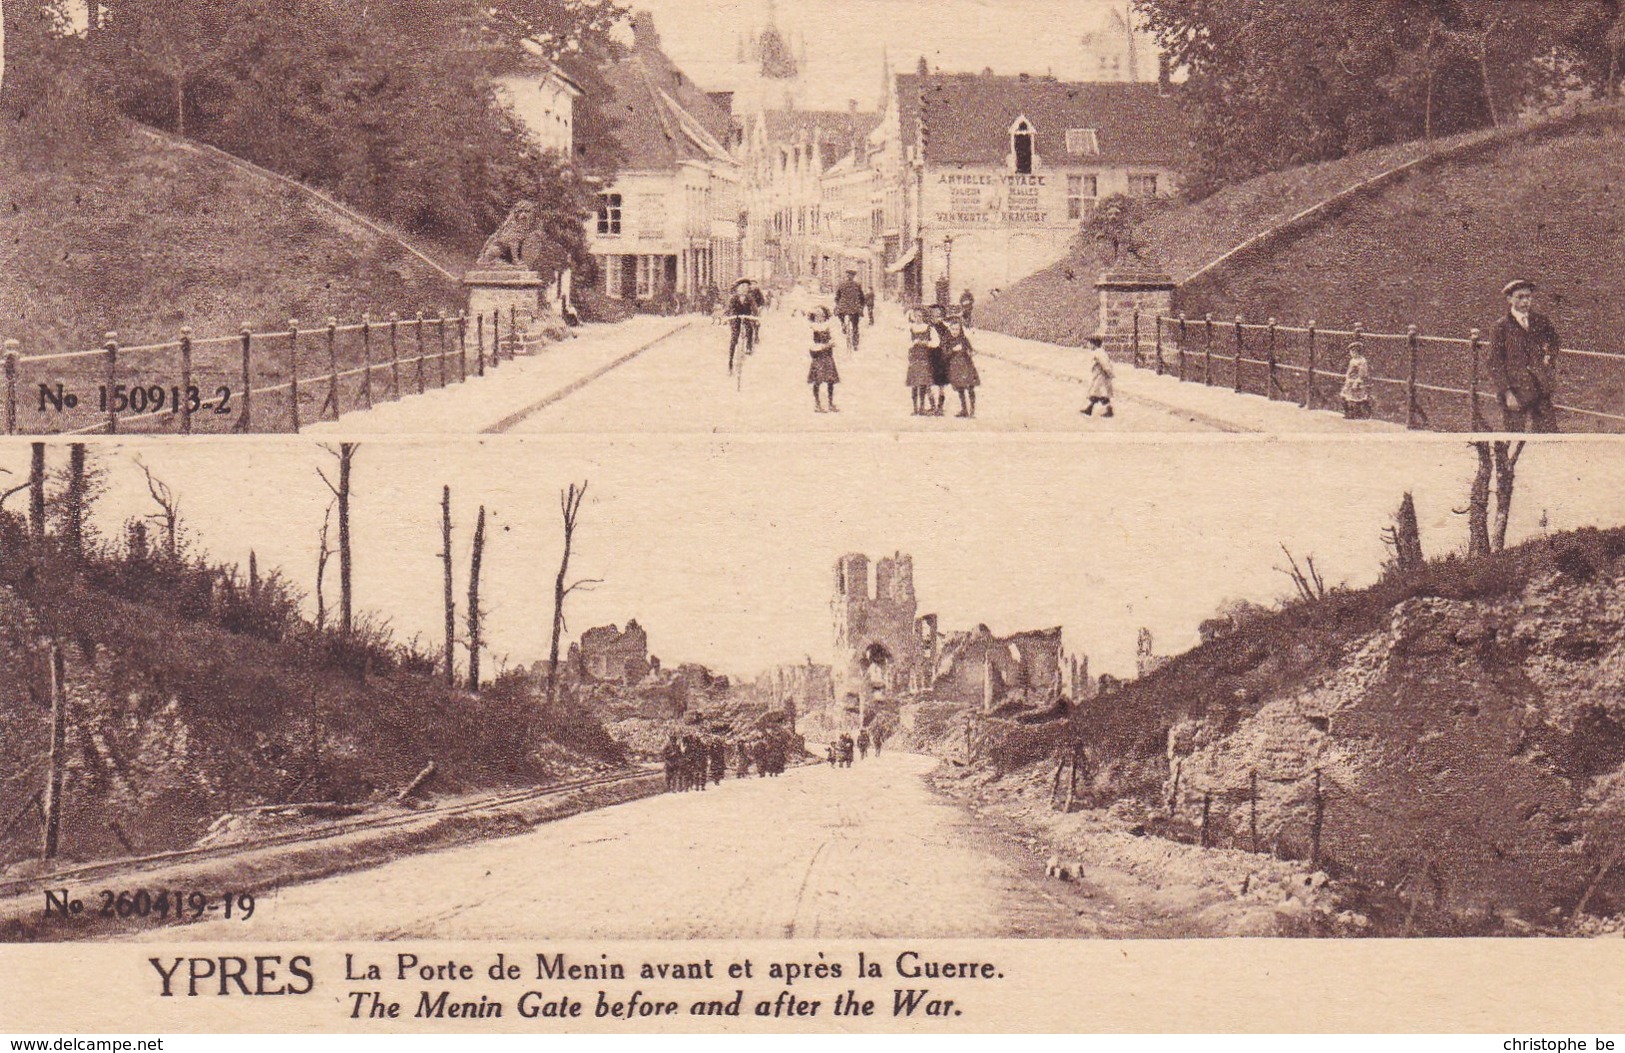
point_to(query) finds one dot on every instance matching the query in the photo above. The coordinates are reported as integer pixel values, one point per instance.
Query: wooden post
(366, 360)
(394, 355)
(1136, 338)
(1159, 345)
(1207, 805)
(1271, 383)
(1309, 377)
(513, 331)
(1252, 815)
(186, 380)
(479, 345)
(1239, 349)
(246, 420)
(1314, 829)
(1411, 407)
(11, 386)
(474, 561)
(462, 346)
(440, 334)
(112, 380)
(1207, 354)
(1173, 792)
(293, 372)
(333, 364)
(1474, 344)
(1184, 342)
(451, 603)
(420, 352)
(496, 337)
(57, 752)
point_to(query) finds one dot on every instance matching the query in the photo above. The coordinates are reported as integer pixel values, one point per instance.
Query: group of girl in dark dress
(940, 356)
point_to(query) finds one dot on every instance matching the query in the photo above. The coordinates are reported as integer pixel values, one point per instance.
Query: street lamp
(948, 259)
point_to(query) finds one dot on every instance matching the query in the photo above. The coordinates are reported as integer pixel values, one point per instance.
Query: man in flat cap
(1523, 362)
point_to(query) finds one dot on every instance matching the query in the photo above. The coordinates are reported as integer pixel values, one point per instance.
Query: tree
(169, 512)
(1497, 462)
(345, 454)
(450, 602)
(570, 508)
(1117, 224)
(1404, 537)
(474, 614)
(175, 41)
(323, 554)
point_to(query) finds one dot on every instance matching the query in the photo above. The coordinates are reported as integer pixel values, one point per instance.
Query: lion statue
(507, 245)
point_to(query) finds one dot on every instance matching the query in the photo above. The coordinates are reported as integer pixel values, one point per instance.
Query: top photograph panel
(1045, 216)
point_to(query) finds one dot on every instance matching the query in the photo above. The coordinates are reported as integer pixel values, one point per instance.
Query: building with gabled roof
(667, 229)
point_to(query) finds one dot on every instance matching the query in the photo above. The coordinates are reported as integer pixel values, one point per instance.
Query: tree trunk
(56, 756)
(1506, 466)
(253, 577)
(180, 104)
(36, 492)
(76, 500)
(323, 554)
(1484, 75)
(1478, 503)
(346, 608)
(474, 602)
(450, 601)
(570, 505)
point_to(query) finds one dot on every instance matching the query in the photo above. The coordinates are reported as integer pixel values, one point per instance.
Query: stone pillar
(515, 292)
(1121, 293)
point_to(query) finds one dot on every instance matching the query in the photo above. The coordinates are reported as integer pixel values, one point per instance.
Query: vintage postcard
(811, 515)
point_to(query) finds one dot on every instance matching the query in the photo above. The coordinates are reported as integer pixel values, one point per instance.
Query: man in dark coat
(849, 307)
(1523, 363)
(744, 313)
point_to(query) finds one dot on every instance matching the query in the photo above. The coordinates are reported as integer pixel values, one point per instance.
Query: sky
(848, 40)
(724, 551)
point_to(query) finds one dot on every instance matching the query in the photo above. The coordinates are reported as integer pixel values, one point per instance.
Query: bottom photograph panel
(656, 690)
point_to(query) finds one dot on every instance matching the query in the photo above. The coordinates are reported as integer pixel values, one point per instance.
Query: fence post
(1136, 338)
(1269, 361)
(11, 386)
(420, 352)
(1252, 816)
(462, 346)
(1309, 386)
(394, 355)
(440, 334)
(1410, 376)
(1159, 344)
(513, 331)
(333, 364)
(496, 337)
(366, 359)
(112, 381)
(1474, 344)
(1239, 349)
(1207, 354)
(186, 380)
(479, 344)
(1184, 342)
(293, 372)
(246, 421)
(1314, 829)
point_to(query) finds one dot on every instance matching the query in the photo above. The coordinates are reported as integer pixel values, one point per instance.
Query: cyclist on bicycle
(849, 307)
(744, 314)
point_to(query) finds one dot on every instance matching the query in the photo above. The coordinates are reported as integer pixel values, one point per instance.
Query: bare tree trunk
(474, 602)
(76, 500)
(451, 603)
(56, 756)
(570, 506)
(341, 492)
(1484, 74)
(36, 492)
(323, 554)
(1478, 503)
(1506, 467)
(1407, 535)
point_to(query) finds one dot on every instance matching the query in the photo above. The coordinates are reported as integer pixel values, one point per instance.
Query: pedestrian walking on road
(1101, 374)
(849, 308)
(967, 306)
(863, 744)
(1356, 393)
(962, 367)
(673, 757)
(923, 344)
(939, 358)
(1523, 362)
(719, 761)
(822, 371)
(869, 303)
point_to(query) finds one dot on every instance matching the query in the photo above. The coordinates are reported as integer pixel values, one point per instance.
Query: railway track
(133, 864)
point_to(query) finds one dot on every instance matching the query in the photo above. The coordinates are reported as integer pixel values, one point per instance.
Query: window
(1142, 186)
(609, 213)
(1081, 192)
(648, 269)
(1021, 145)
(1082, 142)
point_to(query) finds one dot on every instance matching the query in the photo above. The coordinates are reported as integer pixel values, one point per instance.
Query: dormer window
(1082, 142)
(1021, 145)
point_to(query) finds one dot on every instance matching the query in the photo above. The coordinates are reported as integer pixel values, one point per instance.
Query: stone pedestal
(514, 292)
(1122, 293)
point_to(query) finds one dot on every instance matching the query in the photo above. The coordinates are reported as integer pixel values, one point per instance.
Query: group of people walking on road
(839, 752)
(692, 761)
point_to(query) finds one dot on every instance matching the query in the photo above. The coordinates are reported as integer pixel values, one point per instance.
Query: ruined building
(987, 672)
(608, 653)
(797, 689)
(878, 647)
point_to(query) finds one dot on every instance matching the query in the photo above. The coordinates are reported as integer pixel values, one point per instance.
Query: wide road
(669, 375)
(869, 851)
